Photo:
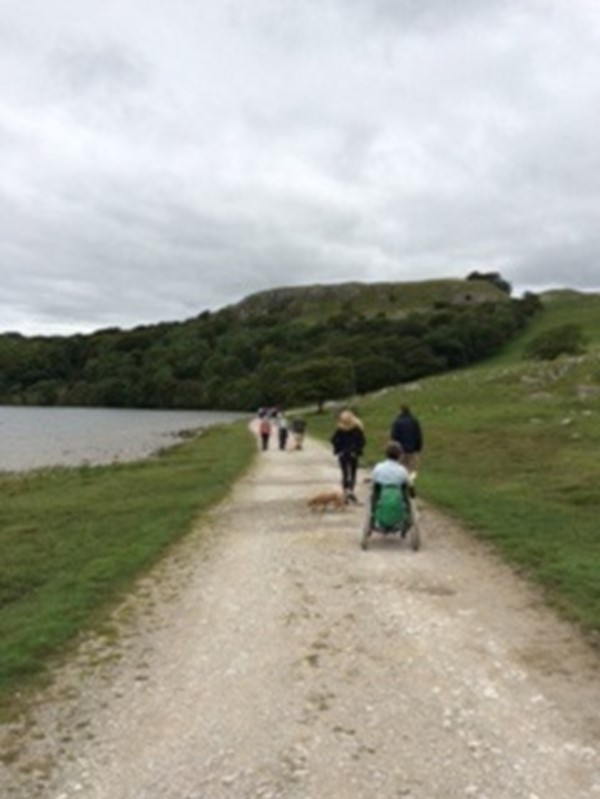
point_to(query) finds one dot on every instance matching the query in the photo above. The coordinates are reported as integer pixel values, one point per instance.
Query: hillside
(283, 346)
(394, 299)
(512, 447)
(560, 307)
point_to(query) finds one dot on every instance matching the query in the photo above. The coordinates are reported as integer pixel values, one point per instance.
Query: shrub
(563, 340)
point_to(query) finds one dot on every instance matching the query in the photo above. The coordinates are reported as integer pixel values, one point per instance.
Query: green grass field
(73, 540)
(512, 449)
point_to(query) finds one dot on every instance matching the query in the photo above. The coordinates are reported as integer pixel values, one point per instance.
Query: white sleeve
(376, 473)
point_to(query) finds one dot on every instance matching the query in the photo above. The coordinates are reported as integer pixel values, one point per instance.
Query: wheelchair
(400, 520)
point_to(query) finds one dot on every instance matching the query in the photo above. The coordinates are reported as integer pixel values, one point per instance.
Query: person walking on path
(282, 429)
(298, 431)
(265, 432)
(348, 441)
(406, 430)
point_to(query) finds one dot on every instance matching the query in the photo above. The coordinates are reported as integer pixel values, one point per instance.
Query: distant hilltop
(394, 299)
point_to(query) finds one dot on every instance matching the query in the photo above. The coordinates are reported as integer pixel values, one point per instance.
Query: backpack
(391, 511)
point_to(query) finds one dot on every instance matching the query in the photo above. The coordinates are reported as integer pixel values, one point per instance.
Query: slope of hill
(512, 448)
(276, 347)
(395, 299)
(560, 307)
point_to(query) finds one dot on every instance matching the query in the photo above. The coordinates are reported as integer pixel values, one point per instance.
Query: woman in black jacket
(348, 442)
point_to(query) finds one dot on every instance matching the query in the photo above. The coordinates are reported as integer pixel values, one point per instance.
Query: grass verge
(512, 450)
(73, 540)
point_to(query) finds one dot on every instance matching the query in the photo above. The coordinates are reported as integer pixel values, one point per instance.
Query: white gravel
(269, 657)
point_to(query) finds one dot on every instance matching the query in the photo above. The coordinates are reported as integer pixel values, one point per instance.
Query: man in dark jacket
(406, 430)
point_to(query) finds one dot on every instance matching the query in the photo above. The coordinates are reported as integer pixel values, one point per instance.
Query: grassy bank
(512, 450)
(73, 540)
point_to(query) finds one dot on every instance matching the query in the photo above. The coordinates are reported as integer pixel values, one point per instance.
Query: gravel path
(271, 657)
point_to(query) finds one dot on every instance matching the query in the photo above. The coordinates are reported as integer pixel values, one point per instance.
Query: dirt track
(276, 659)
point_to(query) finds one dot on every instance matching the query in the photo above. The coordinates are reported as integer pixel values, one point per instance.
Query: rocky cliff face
(369, 299)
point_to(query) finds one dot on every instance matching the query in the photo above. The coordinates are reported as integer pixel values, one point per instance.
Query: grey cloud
(547, 266)
(173, 162)
(428, 15)
(98, 68)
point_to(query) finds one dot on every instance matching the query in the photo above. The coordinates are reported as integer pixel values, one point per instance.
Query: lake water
(31, 438)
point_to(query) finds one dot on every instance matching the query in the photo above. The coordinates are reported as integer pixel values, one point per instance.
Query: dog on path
(327, 499)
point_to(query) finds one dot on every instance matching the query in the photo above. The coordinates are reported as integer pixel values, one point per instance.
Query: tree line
(218, 361)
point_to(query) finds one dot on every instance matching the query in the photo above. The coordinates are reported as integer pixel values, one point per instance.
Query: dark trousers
(283, 436)
(265, 440)
(348, 464)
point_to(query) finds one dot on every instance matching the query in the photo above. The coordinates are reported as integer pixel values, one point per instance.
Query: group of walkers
(348, 441)
(270, 419)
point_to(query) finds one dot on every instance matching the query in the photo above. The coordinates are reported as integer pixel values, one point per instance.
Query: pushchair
(393, 512)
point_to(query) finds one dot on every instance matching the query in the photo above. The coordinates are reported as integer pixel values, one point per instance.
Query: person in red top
(264, 430)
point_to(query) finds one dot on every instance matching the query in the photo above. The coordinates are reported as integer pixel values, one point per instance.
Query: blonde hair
(347, 420)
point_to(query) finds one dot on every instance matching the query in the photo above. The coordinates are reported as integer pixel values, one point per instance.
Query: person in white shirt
(389, 509)
(390, 471)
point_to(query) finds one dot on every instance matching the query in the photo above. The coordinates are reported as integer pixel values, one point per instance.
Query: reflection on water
(34, 437)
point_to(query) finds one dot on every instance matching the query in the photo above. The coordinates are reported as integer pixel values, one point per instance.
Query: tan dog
(327, 499)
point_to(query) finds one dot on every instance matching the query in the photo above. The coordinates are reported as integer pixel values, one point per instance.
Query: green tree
(230, 360)
(242, 394)
(318, 381)
(376, 372)
(495, 278)
(189, 394)
(446, 342)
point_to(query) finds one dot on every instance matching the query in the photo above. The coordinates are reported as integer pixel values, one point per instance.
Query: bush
(563, 340)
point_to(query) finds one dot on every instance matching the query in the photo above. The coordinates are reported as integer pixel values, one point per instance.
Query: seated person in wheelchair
(390, 505)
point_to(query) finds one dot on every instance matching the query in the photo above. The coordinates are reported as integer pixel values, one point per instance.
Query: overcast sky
(160, 158)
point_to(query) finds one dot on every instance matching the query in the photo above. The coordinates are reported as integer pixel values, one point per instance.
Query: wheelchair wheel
(414, 534)
(414, 538)
(366, 532)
